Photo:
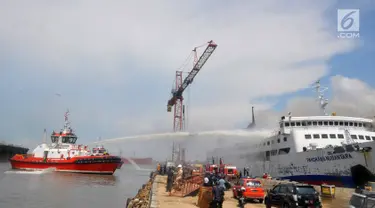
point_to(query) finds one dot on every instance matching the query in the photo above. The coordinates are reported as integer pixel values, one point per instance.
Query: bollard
(328, 190)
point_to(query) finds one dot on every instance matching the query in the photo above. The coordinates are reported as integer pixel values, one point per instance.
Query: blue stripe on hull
(343, 181)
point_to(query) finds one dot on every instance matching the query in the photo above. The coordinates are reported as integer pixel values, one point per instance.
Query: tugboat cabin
(66, 137)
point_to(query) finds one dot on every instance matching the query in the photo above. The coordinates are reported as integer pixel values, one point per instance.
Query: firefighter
(169, 180)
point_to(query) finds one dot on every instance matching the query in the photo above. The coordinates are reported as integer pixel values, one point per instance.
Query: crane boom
(177, 94)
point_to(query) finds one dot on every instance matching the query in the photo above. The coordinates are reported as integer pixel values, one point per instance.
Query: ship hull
(315, 167)
(87, 165)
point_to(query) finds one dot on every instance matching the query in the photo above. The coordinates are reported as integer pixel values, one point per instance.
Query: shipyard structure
(8, 150)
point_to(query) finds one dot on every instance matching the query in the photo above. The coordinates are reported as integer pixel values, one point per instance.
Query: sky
(112, 64)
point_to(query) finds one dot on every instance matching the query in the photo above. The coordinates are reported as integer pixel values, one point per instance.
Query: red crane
(177, 98)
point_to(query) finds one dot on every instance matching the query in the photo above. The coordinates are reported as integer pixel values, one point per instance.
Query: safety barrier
(187, 186)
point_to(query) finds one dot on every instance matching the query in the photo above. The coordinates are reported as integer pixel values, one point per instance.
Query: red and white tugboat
(65, 156)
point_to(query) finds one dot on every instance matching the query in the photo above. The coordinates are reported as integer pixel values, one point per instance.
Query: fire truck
(229, 171)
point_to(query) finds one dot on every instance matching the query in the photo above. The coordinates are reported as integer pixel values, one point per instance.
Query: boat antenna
(323, 102)
(45, 136)
(67, 123)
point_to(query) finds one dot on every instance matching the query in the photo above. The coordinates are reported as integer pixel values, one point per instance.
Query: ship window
(316, 136)
(309, 123)
(298, 124)
(281, 124)
(336, 123)
(284, 151)
(286, 123)
(326, 123)
(373, 138)
(361, 137)
(346, 124)
(341, 123)
(340, 136)
(332, 136)
(331, 123)
(368, 138)
(273, 152)
(292, 124)
(285, 139)
(355, 124)
(350, 123)
(324, 136)
(314, 123)
(303, 123)
(268, 143)
(307, 136)
(359, 124)
(354, 136)
(320, 123)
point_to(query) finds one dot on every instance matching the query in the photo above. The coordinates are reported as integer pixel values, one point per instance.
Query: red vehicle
(212, 168)
(230, 171)
(254, 189)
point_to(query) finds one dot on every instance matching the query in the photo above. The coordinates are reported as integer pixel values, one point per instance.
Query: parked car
(254, 189)
(293, 195)
(362, 199)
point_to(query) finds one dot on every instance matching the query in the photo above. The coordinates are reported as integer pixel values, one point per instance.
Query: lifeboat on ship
(64, 155)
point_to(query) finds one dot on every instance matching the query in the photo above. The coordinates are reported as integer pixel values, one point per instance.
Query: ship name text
(330, 157)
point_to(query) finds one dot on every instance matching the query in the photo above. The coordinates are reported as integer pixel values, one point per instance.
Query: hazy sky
(112, 63)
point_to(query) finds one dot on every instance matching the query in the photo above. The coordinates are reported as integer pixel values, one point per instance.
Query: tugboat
(64, 155)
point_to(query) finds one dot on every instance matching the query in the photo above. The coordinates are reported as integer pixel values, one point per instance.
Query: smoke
(350, 97)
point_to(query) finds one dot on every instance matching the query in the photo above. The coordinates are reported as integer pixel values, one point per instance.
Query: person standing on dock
(169, 180)
(218, 196)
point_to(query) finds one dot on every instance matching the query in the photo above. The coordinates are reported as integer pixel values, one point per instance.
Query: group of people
(217, 182)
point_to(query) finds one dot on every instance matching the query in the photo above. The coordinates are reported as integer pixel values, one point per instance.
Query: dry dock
(162, 199)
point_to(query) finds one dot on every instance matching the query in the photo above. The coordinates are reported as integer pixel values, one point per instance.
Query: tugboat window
(316, 136)
(350, 123)
(346, 124)
(314, 123)
(298, 124)
(285, 139)
(324, 136)
(361, 137)
(340, 136)
(284, 151)
(341, 123)
(354, 136)
(368, 138)
(292, 124)
(359, 124)
(278, 140)
(332, 136)
(336, 123)
(286, 124)
(320, 123)
(373, 138)
(331, 123)
(268, 143)
(355, 124)
(326, 123)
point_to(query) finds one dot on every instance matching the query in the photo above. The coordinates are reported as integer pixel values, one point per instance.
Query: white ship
(313, 149)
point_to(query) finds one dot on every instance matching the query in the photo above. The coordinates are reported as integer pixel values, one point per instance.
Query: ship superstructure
(314, 149)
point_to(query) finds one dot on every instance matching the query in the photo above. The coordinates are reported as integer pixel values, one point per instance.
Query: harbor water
(46, 189)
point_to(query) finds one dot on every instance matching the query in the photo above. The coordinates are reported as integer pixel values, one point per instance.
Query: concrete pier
(162, 199)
